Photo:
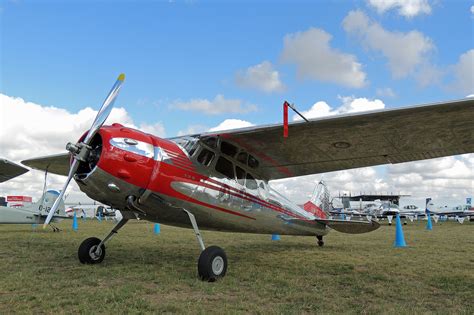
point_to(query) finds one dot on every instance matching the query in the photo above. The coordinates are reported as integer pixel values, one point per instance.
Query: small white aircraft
(461, 211)
(35, 213)
(220, 180)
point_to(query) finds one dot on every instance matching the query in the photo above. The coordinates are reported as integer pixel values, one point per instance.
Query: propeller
(80, 150)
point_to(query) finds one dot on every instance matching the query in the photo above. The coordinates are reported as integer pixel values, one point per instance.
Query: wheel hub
(217, 265)
(95, 252)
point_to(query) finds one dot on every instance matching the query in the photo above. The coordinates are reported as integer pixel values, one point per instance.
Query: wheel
(87, 250)
(212, 264)
(320, 241)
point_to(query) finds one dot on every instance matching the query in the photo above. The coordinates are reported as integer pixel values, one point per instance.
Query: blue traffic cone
(429, 225)
(275, 237)
(156, 228)
(399, 238)
(74, 222)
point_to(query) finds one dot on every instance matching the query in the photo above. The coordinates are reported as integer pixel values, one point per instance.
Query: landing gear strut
(212, 263)
(320, 240)
(92, 250)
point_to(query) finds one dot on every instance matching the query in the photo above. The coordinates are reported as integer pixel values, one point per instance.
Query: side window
(250, 183)
(210, 141)
(205, 157)
(228, 149)
(253, 163)
(225, 167)
(242, 157)
(240, 175)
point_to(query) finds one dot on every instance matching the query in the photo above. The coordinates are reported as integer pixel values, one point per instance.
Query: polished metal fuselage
(217, 203)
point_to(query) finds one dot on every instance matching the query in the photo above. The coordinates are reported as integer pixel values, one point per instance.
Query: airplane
(35, 213)
(461, 211)
(220, 180)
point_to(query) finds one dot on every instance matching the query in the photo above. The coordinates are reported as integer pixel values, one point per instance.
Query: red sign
(19, 198)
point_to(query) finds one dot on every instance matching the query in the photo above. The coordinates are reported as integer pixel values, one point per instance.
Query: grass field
(145, 273)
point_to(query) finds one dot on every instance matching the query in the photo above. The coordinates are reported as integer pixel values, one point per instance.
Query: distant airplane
(35, 213)
(220, 180)
(461, 211)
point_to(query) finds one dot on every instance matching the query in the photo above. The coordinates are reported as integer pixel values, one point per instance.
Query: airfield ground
(144, 273)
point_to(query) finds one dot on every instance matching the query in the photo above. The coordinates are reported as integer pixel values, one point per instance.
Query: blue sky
(68, 54)
(190, 65)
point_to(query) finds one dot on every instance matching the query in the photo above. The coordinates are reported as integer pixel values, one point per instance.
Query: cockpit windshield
(189, 144)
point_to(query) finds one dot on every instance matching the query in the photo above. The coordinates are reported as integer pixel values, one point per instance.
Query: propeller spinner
(80, 151)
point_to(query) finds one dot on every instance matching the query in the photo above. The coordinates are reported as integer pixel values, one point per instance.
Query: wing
(56, 164)
(9, 170)
(359, 140)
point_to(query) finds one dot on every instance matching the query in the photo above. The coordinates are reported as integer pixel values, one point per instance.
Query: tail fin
(314, 209)
(430, 206)
(46, 203)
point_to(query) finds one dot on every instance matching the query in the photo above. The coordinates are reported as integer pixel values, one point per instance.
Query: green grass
(147, 273)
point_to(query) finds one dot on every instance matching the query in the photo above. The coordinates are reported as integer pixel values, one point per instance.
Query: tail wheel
(88, 253)
(212, 264)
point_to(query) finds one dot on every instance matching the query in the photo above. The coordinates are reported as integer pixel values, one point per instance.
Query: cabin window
(250, 183)
(240, 173)
(242, 157)
(228, 149)
(205, 157)
(210, 141)
(253, 163)
(225, 167)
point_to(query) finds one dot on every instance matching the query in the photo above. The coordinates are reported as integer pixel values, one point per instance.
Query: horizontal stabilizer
(57, 164)
(351, 227)
(9, 170)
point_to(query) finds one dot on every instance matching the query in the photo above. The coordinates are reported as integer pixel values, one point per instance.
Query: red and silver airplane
(220, 180)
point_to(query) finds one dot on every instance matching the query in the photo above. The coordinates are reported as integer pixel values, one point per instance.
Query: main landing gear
(212, 263)
(320, 240)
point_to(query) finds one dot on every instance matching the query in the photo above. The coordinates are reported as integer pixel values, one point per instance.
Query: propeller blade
(106, 108)
(99, 120)
(72, 170)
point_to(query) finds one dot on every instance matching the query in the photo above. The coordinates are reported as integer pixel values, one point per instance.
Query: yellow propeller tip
(121, 77)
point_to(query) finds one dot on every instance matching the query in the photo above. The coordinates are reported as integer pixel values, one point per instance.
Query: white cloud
(407, 8)
(231, 124)
(387, 92)
(32, 130)
(219, 105)
(315, 59)
(463, 73)
(472, 9)
(260, 77)
(406, 53)
(350, 104)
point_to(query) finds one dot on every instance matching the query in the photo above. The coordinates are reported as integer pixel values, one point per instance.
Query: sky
(192, 66)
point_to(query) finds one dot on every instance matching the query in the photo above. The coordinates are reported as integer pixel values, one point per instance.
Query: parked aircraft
(458, 211)
(35, 213)
(220, 180)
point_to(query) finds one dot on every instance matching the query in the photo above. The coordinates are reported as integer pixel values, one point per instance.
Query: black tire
(320, 240)
(212, 264)
(86, 249)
